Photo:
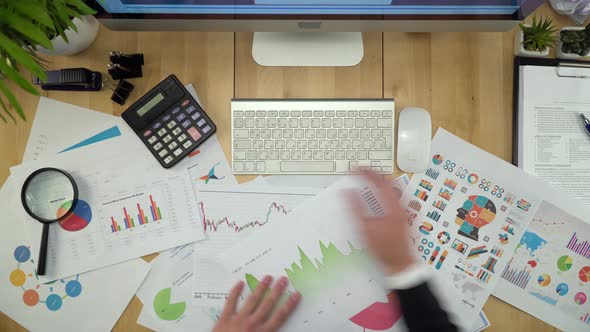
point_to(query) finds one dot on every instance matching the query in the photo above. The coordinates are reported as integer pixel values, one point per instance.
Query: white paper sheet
(85, 302)
(109, 193)
(553, 143)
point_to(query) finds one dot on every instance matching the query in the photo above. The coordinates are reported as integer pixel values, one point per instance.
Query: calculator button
(157, 125)
(187, 144)
(181, 117)
(206, 129)
(195, 134)
(172, 145)
(168, 159)
(196, 116)
(167, 139)
(186, 124)
(152, 140)
(191, 109)
(163, 153)
(178, 152)
(166, 118)
(176, 110)
(171, 124)
(162, 132)
(158, 146)
(181, 138)
(186, 102)
(177, 131)
(201, 122)
(147, 133)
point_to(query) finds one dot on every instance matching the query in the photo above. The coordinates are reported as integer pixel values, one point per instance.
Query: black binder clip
(120, 92)
(118, 71)
(128, 60)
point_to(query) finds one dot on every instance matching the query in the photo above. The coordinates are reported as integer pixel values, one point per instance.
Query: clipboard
(561, 66)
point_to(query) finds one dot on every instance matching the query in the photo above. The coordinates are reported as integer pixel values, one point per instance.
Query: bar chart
(517, 277)
(579, 247)
(133, 216)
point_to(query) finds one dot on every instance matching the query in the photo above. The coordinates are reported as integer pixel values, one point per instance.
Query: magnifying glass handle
(43, 251)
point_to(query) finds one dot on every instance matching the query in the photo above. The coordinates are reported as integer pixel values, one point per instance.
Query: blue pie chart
(78, 219)
(562, 289)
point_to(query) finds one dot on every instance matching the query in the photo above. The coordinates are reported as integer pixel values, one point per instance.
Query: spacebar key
(307, 166)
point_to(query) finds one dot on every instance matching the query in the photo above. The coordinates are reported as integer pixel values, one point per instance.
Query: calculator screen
(150, 104)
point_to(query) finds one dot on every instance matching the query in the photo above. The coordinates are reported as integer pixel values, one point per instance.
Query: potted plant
(574, 42)
(536, 39)
(25, 26)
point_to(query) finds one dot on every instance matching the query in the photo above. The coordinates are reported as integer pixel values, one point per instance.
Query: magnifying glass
(48, 195)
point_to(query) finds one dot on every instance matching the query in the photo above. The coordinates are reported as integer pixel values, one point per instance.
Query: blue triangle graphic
(102, 136)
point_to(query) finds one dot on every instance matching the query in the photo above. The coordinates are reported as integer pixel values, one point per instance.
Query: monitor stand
(319, 49)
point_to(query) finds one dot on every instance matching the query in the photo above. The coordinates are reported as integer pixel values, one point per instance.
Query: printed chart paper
(83, 302)
(470, 210)
(124, 212)
(229, 216)
(549, 274)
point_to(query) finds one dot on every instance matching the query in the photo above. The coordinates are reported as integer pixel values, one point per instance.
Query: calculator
(169, 121)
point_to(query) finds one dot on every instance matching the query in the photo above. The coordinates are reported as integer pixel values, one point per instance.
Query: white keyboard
(311, 136)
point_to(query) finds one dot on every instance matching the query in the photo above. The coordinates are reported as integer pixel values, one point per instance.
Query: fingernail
(295, 297)
(239, 284)
(283, 281)
(267, 280)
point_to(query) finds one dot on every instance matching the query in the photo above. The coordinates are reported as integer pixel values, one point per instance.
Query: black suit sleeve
(422, 311)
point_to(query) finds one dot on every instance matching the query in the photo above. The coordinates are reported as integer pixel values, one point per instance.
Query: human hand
(258, 312)
(386, 235)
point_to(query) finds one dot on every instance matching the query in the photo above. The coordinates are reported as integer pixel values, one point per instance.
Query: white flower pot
(561, 54)
(77, 41)
(520, 51)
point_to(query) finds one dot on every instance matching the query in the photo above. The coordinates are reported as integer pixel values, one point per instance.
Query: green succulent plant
(24, 26)
(576, 42)
(539, 36)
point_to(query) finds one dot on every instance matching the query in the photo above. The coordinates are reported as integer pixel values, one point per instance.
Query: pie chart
(580, 298)
(562, 289)
(564, 263)
(78, 219)
(437, 159)
(166, 310)
(544, 279)
(584, 274)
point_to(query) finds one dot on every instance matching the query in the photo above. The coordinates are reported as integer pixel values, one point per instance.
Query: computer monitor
(283, 27)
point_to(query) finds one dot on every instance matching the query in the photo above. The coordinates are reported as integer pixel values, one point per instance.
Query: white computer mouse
(414, 134)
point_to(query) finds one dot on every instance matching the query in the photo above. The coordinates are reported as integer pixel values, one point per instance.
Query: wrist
(412, 276)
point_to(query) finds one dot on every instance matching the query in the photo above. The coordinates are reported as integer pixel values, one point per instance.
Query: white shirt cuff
(411, 277)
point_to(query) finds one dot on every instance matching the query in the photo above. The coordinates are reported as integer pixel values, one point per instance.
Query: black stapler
(71, 79)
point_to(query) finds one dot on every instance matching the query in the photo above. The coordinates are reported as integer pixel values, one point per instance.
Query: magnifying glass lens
(49, 195)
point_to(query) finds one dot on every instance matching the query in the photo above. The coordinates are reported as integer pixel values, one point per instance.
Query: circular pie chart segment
(580, 298)
(544, 279)
(78, 219)
(562, 289)
(564, 263)
(584, 274)
(166, 310)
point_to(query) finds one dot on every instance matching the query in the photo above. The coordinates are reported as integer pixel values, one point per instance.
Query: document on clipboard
(551, 140)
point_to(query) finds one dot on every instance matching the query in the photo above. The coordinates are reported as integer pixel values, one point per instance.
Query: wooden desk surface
(463, 79)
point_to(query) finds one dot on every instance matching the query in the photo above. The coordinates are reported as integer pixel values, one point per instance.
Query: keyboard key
(337, 123)
(283, 123)
(162, 132)
(304, 123)
(262, 155)
(332, 134)
(329, 155)
(285, 155)
(168, 160)
(261, 166)
(362, 155)
(277, 134)
(178, 152)
(348, 123)
(318, 155)
(177, 109)
(368, 144)
(172, 145)
(207, 129)
(298, 133)
(387, 113)
(171, 124)
(273, 114)
(296, 155)
(309, 133)
(265, 133)
(365, 133)
(306, 155)
(375, 163)
(176, 131)
(351, 155)
(191, 109)
(187, 144)
(380, 155)
(318, 114)
(346, 144)
(312, 144)
(376, 133)
(375, 114)
(334, 144)
(353, 114)
(158, 146)
(260, 122)
(330, 114)
(353, 133)
(251, 155)
(182, 138)
(376, 169)
(320, 133)
(239, 155)
(371, 123)
(302, 144)
(306, 114)
(198, 115)
(340, 155)
(284, 114)
(249, 123)
(152, 139)
(387, 169)
(260, 114)
(163, 153)
(324, 144)
(201, 123)
(238, 114)
(271, 123)
(353, 166)
(273, 155)
(238, 166)
(293, 122)
(250, 166)
(242, 144)
(356, 144)
(250, 114)
(379, 144)
(291, 145)
(359, 122)
(269, 145)
(186, 124)
(327, 122)
(340, 114)
(384, 123)
(255, 133)
(364, 114)
(166, 117)
(181, 117)
(257, 144)
(194, 133)
(185, 102)
(157, 125)
(147, 133)
(280, 144)
(307, 167)
(167, 139)
(343, 133)
(288, 133)
(295, 114)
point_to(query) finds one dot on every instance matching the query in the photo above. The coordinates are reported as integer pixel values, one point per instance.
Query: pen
(586, 123)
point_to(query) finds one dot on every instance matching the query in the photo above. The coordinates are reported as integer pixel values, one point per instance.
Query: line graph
(214, 225)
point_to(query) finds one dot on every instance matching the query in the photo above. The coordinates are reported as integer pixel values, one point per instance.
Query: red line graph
(214, 225)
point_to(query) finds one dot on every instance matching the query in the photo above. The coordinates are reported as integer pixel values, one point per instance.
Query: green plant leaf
(83, 9)
(25, 28)
(21, 56)
(12, 100)
(15, 76)
(6, 111)
(33, 10)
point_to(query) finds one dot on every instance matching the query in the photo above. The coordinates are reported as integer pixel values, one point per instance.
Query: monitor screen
(316, 7)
